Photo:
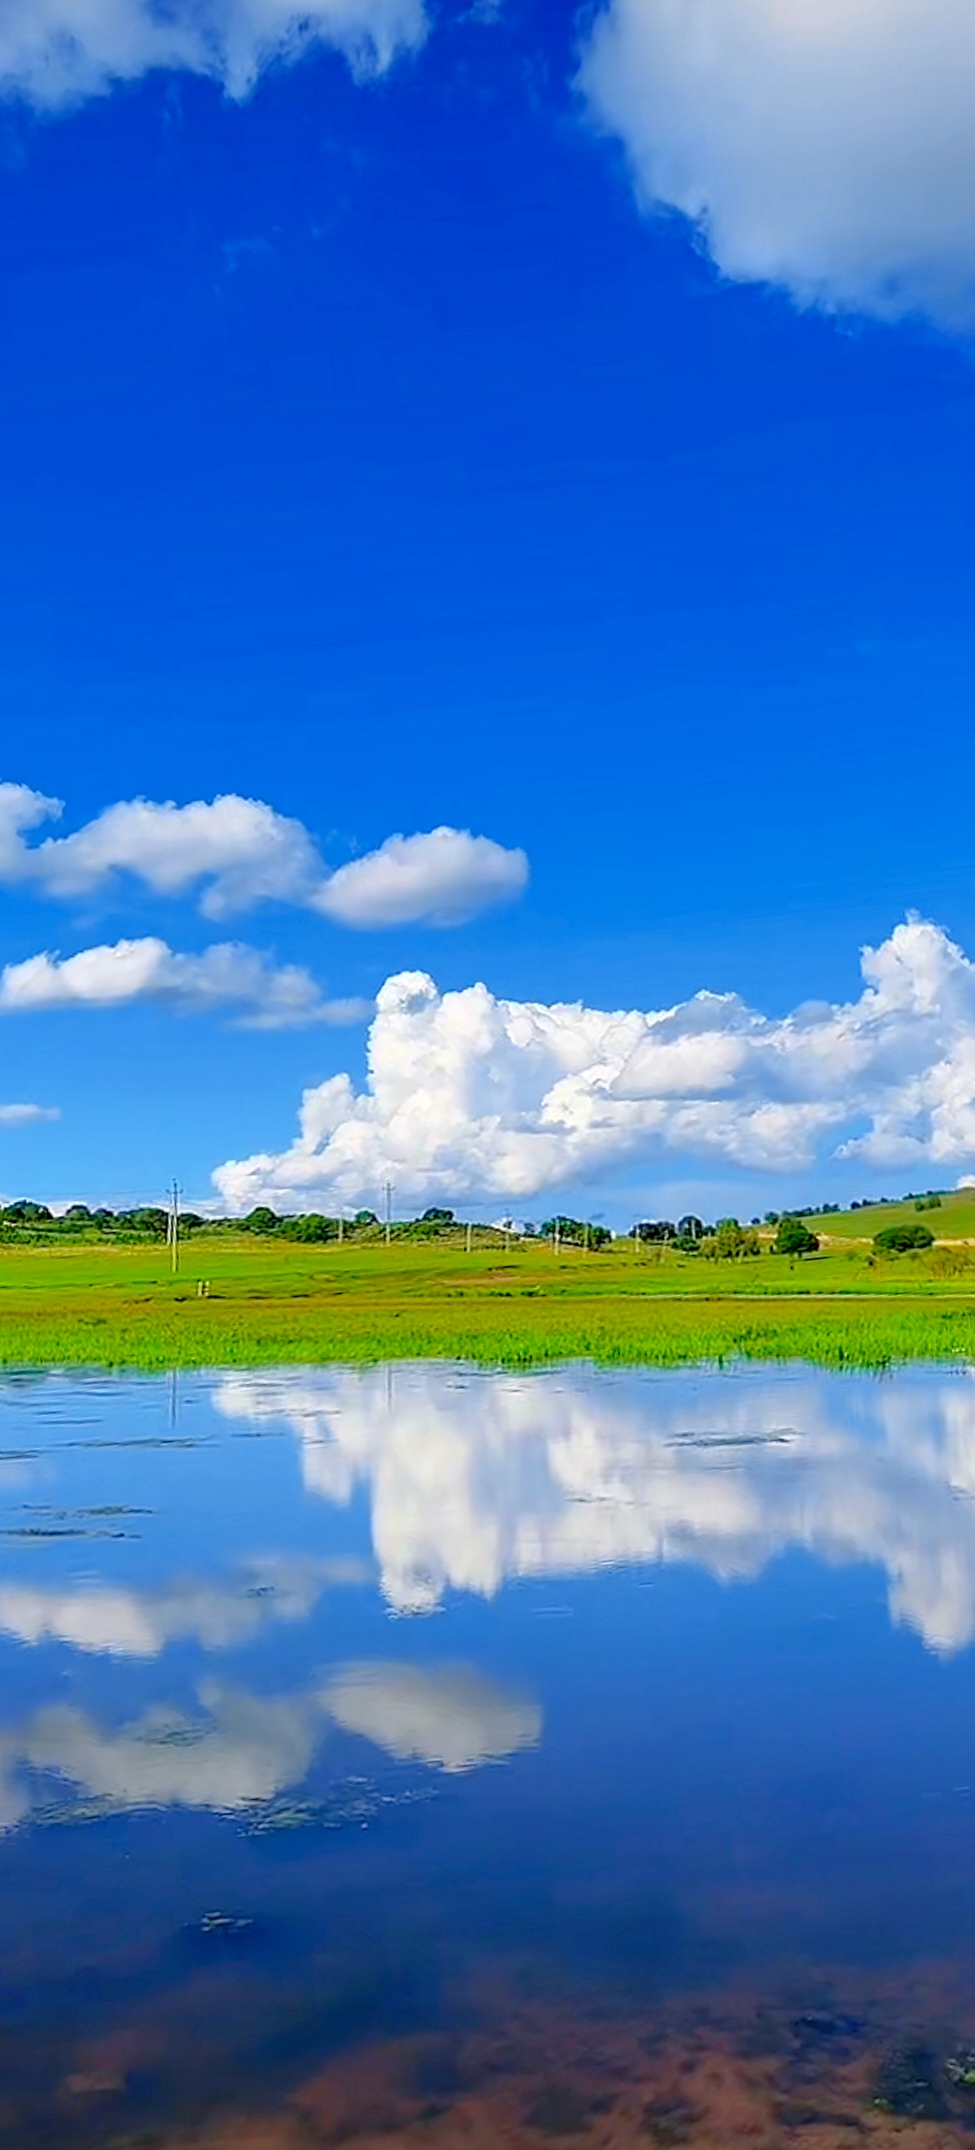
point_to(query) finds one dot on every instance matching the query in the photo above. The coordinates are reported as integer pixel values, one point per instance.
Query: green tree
(569, 1231)
(309, 1230)
(729, 1239)
(261, 1219)
(794, 1237)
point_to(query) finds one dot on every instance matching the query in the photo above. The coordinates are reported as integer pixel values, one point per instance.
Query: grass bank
(267, 1304)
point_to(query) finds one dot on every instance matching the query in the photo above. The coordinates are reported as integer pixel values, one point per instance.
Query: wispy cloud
(237, 853)
(469, 1095)
(228, 975)
(54, 53)
(21, 1115)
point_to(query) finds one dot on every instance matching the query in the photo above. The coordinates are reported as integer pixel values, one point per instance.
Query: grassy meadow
(238, 1299)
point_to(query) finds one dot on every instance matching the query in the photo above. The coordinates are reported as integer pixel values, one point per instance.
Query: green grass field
(954, 1220)
(277, 1302)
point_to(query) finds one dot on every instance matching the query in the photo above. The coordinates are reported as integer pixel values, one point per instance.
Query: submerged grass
(267, 1304)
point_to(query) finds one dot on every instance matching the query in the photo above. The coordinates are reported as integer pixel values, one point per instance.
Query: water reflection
(674, 1866)
(237, 1749)
(454, 1718)
(475, 1480)
(116, 1622)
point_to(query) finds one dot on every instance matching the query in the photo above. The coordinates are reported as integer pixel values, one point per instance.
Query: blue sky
(390, 448)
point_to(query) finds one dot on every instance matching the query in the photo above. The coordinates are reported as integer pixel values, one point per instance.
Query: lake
(448, 1757)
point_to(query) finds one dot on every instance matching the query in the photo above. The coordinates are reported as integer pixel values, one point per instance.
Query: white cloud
(22, 1115)
(54, 53)
(826, 145)
(472, 1481)
(244, 851)
(469, 1095)
(227, 975)
(240, 852)
(444, 877)
(452, 1717)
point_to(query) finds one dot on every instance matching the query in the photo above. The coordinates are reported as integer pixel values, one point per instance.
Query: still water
(428, 1756)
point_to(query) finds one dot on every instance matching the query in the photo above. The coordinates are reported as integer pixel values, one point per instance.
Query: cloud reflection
(124, 1622)
(241, 1748)
(454, 1717)
(237, 1749)
(475, 1479)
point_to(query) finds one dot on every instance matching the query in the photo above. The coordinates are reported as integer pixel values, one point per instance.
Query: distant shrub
(903, 1239)
(927, 1201)
(437, 1216)
(310, 1230)
(731, 1241)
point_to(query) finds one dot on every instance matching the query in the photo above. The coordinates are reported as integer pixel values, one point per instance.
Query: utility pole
(341, 1228)
(468, 1245)
(388, 1191)
(172, 1229)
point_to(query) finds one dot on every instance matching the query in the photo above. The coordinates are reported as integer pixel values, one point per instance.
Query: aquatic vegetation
(351, 1804)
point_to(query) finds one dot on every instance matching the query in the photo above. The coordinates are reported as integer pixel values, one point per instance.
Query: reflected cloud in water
(129, 1622)
(474, 1479)
(239, 1748)
(454, 1717)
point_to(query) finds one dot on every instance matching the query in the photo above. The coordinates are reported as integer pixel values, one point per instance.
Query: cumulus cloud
(227, 975)
(825, 145)
(54, 53)
(443, 877)
(452, 1716)
(472, 1482)
(239, 853)
(22, 1115)
(242, 850)
(469, 1095)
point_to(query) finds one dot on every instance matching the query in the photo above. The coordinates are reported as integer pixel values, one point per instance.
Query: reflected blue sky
(648, 1675)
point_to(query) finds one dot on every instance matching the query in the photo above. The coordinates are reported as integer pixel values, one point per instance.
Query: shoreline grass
(120, 1308)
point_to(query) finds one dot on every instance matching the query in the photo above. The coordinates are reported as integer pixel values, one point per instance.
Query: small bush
(903, 1239)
